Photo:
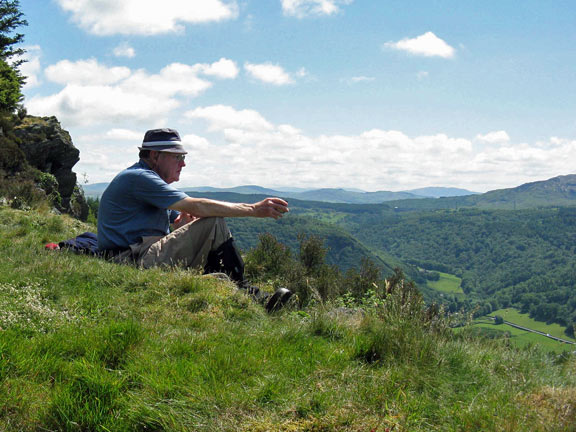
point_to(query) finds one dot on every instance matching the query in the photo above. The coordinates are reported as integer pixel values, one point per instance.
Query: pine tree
(11, 81)
(10, 19)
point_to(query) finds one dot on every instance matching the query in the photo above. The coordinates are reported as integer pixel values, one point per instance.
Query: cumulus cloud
(221, 117)
(495, 138)
(95, 93)
(427, 45)
(269, 73)
(89, 72)
(145, 17)
(174, 79)
(249, 149)
(124, 50)
(223, 68)
(31, 68)
(305, 8)
(93, 104)
(123, 134)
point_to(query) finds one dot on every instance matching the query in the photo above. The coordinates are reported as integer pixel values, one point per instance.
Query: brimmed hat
(164, 140)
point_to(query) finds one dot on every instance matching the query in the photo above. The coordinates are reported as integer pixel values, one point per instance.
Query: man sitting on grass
(140, 206)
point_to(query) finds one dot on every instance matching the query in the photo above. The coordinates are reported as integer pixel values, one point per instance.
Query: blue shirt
(134, 205)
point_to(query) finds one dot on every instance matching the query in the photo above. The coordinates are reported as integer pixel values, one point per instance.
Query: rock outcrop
(49, 148)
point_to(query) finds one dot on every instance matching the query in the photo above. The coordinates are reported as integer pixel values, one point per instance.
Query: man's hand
(271, 207)
(182, 219)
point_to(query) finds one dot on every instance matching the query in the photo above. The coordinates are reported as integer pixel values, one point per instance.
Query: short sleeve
(151, 189)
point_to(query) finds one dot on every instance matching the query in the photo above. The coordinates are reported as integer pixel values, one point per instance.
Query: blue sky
(375, 95)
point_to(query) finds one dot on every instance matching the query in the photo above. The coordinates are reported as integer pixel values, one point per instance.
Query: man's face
(169, 165)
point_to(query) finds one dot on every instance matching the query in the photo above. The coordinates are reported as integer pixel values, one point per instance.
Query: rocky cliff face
(49, 148)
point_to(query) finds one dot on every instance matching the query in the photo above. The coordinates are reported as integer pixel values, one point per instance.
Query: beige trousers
(187, 247)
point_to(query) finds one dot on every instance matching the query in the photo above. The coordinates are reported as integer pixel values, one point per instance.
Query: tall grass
(93, 346)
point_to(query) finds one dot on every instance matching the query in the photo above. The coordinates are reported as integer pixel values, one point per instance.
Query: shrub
(400, 326)
(360, 282)
(12, 159)
(269, 260)
(309, 276)
(10, 84)
(49, 184)
(22, 193)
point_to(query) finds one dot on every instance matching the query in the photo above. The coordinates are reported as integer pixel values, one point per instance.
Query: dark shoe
(255, 293)
(278, 300)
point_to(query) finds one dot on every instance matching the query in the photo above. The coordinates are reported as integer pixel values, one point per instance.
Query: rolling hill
(555, 192)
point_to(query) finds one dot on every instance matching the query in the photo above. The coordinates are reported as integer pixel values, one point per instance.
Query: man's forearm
(202, 207)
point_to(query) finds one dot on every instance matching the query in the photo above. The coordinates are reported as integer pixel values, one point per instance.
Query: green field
(448, 284)
(524, 320)
(522, 338)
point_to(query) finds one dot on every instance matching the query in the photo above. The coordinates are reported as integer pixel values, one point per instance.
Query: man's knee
(221, 231)
(209, 222)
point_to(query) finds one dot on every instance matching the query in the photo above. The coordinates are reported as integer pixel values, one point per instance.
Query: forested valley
(506, 258)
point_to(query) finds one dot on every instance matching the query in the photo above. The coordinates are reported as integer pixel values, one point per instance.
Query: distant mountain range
(557, 191)
(334, 195)
(340, 195)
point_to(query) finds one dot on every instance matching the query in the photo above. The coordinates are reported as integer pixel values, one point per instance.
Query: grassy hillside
(554, 192)
(93, 346)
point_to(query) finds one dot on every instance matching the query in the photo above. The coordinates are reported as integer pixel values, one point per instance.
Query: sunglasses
(179, 157)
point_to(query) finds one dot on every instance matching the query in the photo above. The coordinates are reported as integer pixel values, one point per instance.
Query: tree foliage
(308, 274)
(10, 84)
(11, 18)
(11, 81)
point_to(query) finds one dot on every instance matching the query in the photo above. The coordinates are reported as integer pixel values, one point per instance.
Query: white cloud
(221, 117)
(124, 135)
(95, 93)
(223, 68)
(495, 138)
(304, 8)
(358, 79)
(174, 79)
(269, 73)
(145, 17)
(88, 72)
(124, 50)
(427, 45)
(31, 68)
(85, 105)
(249, 149)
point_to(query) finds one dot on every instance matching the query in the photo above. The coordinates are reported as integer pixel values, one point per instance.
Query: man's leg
(227, 259)
(207, 245)
(188, 246)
